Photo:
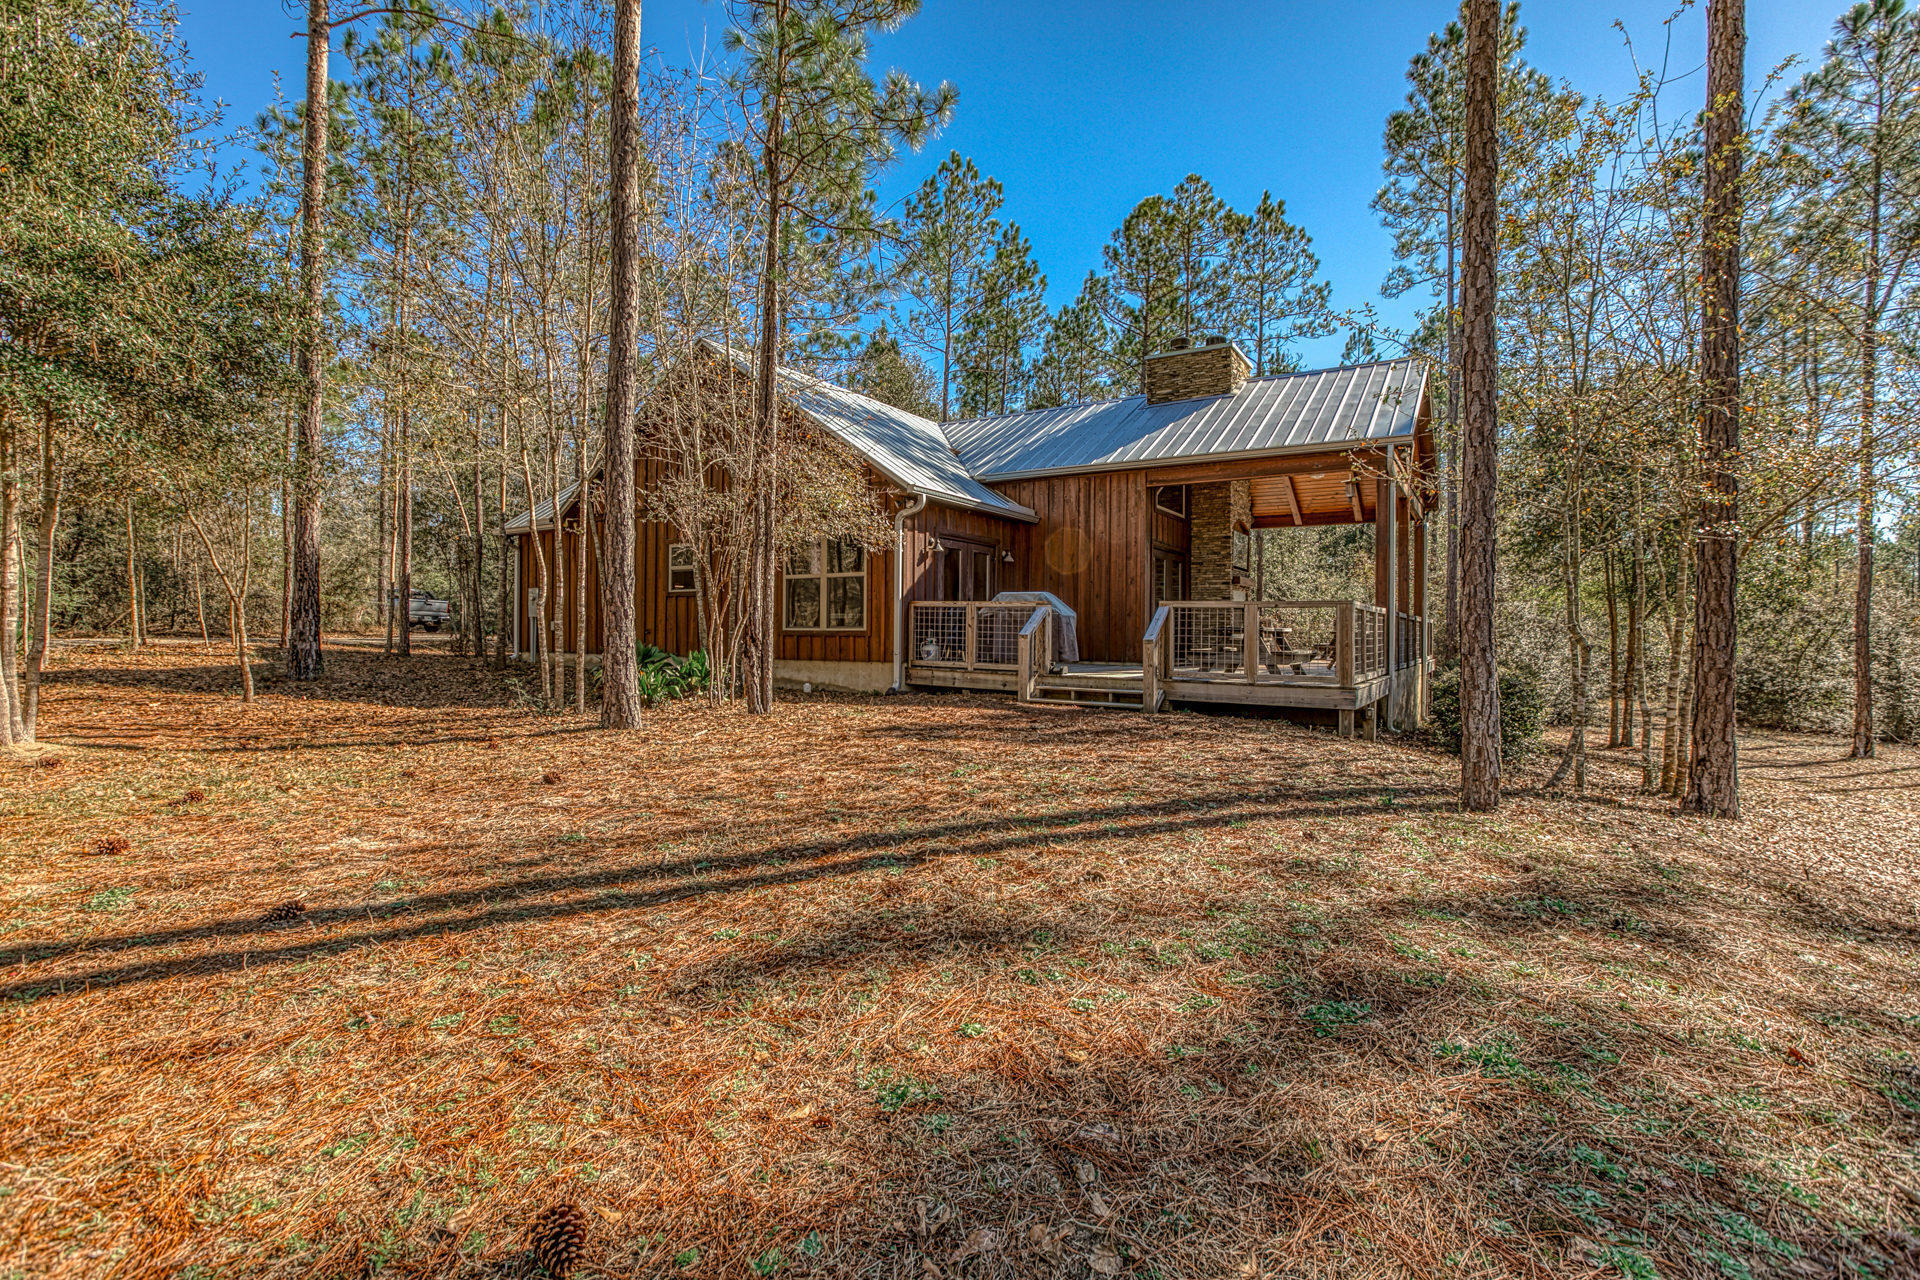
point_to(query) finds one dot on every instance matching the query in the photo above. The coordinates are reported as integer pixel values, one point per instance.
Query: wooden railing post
(971, 641)
(1343, 644)
(1023, 666)
(1250, 640)
(1153, 659)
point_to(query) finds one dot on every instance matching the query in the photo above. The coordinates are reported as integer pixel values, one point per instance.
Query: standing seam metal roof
(1326, 408)
(911, 451)
(1293, 412)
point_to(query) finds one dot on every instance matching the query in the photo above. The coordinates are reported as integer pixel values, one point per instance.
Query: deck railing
(1339, 643)
(1410, 639)
(1035, 651)
(967, 635)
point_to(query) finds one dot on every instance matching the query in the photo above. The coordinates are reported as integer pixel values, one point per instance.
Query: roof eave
(1010, 511)
(1189, 459)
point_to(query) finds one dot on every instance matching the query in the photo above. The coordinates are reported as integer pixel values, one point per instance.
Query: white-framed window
(826, 587)
(1171, 499)
(679, 568)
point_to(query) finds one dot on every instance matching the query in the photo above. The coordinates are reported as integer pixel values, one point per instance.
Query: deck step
(1090, 682)
(1080, 696)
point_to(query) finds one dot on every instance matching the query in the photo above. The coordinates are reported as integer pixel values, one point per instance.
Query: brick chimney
(1211, 366)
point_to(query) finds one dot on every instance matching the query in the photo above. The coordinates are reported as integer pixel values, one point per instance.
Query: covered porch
(1342, 656)
(1210, 637)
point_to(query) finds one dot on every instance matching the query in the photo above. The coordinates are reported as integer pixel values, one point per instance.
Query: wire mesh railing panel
(1414, 627)
(940, 634)
(1298, 641)
(997, 638)
(1207, 639)
(1369, 641)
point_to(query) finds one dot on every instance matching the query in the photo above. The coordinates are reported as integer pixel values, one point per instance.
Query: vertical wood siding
(672, 621)
(1090, 549)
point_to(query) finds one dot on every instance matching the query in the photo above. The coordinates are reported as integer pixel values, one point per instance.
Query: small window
(680, 569)
(1171, 499)
(1242, 547)
(826, 587)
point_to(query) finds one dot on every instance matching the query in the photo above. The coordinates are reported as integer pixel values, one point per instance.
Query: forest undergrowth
(925, 986)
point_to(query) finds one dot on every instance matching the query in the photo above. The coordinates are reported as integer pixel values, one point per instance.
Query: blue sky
(1083, 108)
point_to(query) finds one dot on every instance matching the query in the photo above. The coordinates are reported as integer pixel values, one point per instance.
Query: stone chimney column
(1217, 510)
(1214, 367)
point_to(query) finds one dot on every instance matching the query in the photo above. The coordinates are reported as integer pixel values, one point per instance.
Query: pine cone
(551, 777)
(286, 911)
(108, 846)
(559, 1239)
(50, 762)
(193, 795)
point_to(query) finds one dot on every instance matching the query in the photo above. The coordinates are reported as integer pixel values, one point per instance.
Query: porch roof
(1322, 410)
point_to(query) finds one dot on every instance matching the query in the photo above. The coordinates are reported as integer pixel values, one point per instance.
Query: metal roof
(1284, 413)
(909, 450)
(542, 512)
(1325, 409)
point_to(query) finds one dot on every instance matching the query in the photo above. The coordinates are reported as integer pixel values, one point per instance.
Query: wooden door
(966, 572)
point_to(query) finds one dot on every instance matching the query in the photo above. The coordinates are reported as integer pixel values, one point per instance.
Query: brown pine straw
(925, 986)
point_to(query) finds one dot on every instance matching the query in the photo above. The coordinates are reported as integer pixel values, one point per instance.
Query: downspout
(519, 603)
(913, 508)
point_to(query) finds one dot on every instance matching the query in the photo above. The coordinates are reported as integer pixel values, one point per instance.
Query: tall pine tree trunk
(1479, 677)
(135, 637)
(1713, 782)
(1450, 460)
(52, 481)
(619, 656)
(13, 722)
(1863, 735)
(763, 555)
(303, 644)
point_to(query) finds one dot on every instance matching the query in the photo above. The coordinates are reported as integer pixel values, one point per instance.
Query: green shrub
(663, 677)
(1521, 705)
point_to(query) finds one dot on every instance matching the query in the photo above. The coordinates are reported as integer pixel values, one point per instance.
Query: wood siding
(1090, 549)
(672, 621)
(530, 580)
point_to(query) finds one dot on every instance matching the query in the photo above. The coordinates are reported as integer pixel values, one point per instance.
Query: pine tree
(1007, 323)
(950, 230)
(821, 126)
(1479, 675)
(1142, 293)
(1201, 232)
(892, 376)
(1276, 297)
(1076, 358)
(1713, 782)
(1853, 147)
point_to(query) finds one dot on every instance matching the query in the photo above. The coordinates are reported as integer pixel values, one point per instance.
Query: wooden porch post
(1405, 550)
(1386, 574)
(1250, 640)
(1419, 610)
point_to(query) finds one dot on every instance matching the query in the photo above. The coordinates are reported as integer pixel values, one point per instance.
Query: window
(1242, 547)
(680, 568)
(1171, 499)
(1169, 577)
(826, 587)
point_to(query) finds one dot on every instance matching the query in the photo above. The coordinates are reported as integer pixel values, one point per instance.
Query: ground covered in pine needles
(925, 987)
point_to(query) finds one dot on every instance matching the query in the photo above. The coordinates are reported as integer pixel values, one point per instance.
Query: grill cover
(1066, 623)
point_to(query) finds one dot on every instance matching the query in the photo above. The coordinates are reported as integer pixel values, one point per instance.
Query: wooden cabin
(1136, 514)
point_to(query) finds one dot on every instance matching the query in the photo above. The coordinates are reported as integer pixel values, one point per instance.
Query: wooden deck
(1341, 656)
